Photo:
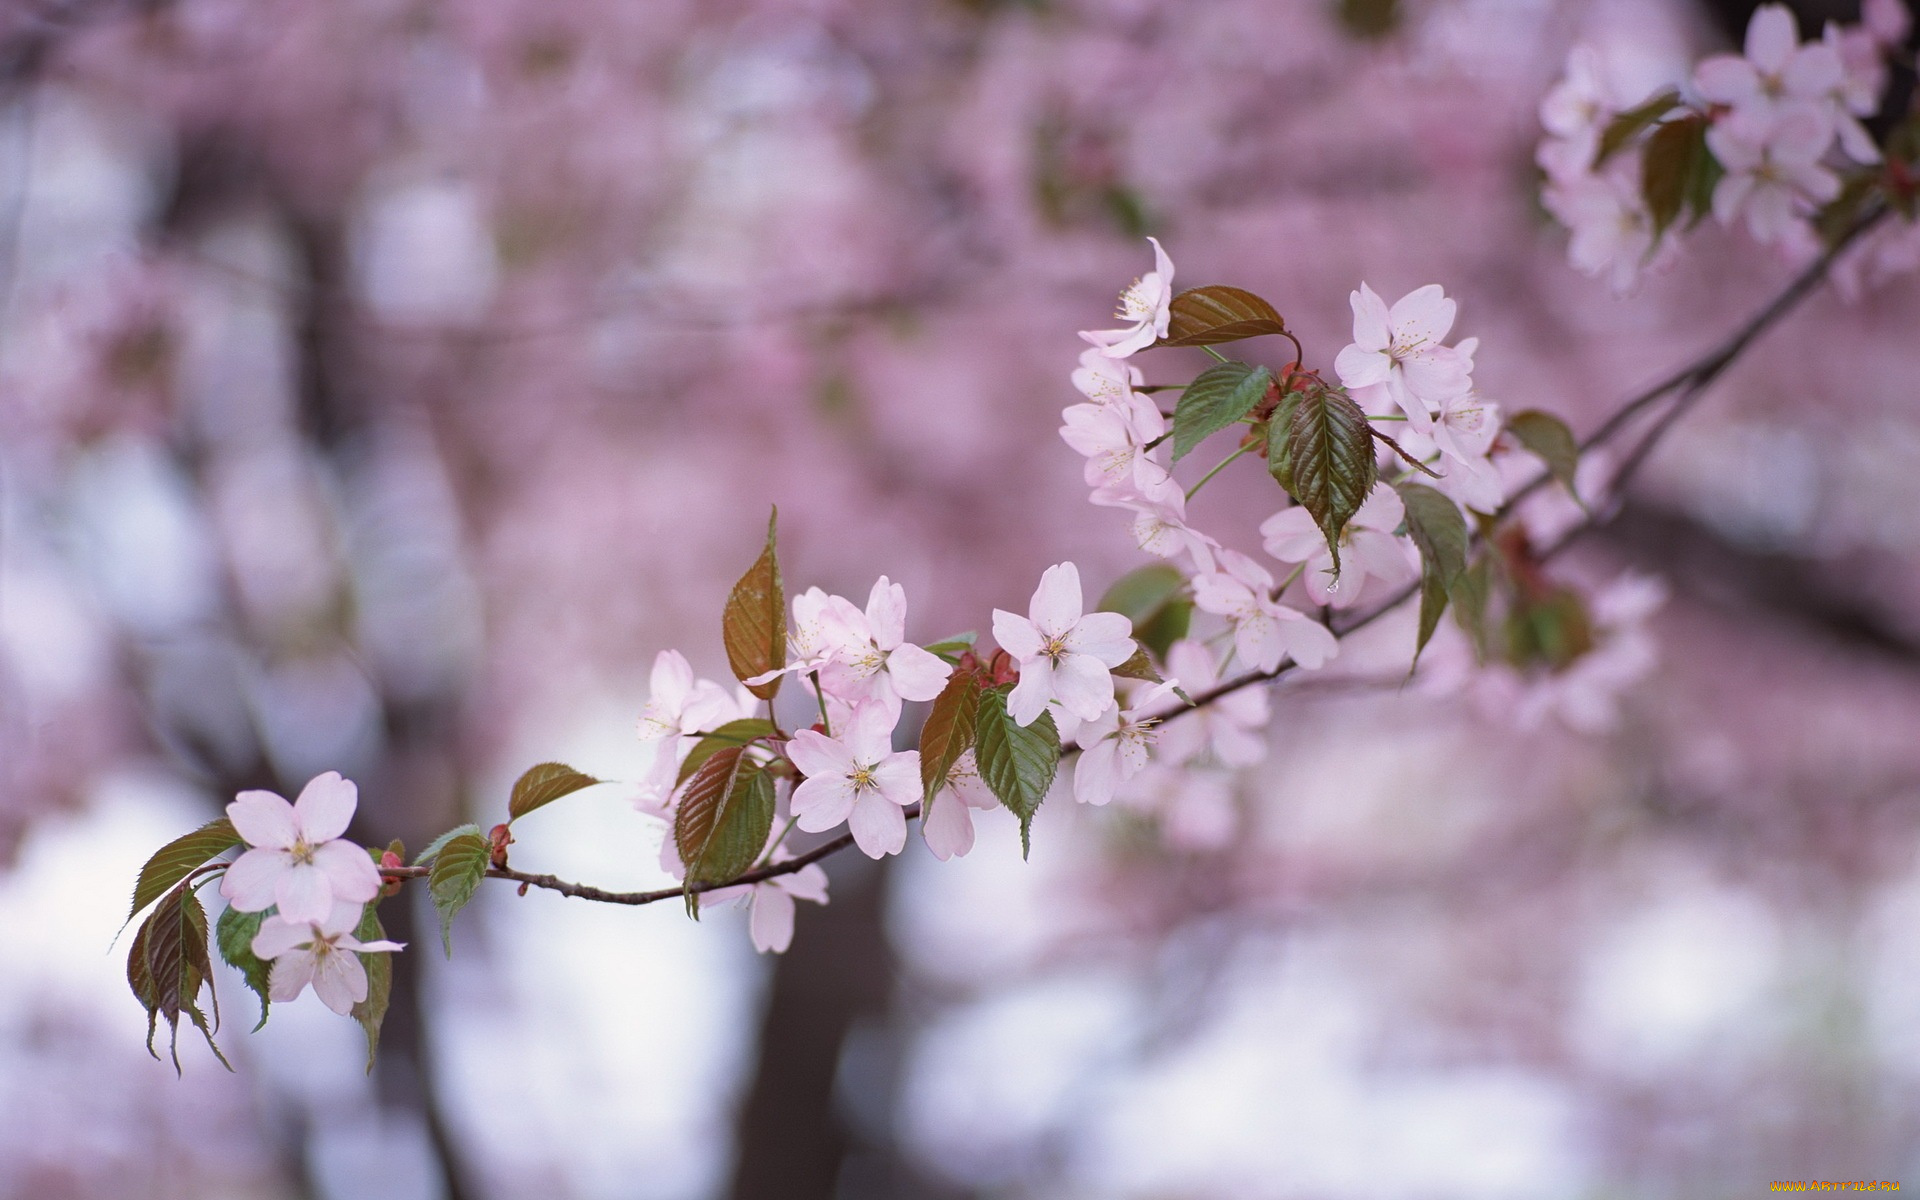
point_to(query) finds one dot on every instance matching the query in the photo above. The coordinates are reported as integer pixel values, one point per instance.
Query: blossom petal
(887, 613)
(349, 870)
(948, 827)
(279, 936)
(1772, 35)
(878, 826)
(808, 883)
(290, 975)
(1370, 329)
(822, 802)
(819, 756)
(1016, 635)
(917, 674)
(770, 920)
(1029, 697)
(898, 777)
(325, 807)
(1358, 366)
(1083, 685)
(264, 819)
(1094, 777)
(304, 893)
(249, 883)
(1057, 601)
(1106, 636)
(339, 980)
(1423, 317)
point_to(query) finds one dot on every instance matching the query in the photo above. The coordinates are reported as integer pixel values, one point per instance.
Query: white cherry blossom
(321, 952)
(857, 777)
(770, 903)
(298, 861)
(1400, 351)
(1265, 631)
(679, 706)
(1773, 170)
(1777, 71)
(1146, 305)
(869, 656)
(948, 824)
(1064, 653)
(1227, 729)
(1114, 439)
(1113, 746)
(1105, 380)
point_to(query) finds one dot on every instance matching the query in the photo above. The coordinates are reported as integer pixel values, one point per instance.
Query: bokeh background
(384, 382)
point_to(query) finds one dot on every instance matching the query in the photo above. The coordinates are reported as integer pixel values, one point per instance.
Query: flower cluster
(1764, 139)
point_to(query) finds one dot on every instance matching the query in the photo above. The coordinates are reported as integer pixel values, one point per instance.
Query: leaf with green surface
(725, 815)
(1633, 122)
(1672, 167)
(1155, 599)
(1139, 667)
(372, 1011)
(440, 843)
(951, 648)
(1440, 533)
(1471, 594)
(1329, 455)
(457, 871)
(947, 734)
(1218, 399)
(543, 784)
(1208, 316)
(178, 858)
(1017, 763)
(1548, 630)
(167, 966)
(733, 733)
(1548, 437)
(754, 625)
(234, 933)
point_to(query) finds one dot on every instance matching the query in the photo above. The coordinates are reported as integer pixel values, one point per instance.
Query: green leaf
(754, 625)
(1672, 166)
(733, 733)
(177, 859)
(167, 966)
(1440, 532)
(1548, 437)
(947, 734)
(1219, 398)
(725, 815)
(379, 968)
(1139, 667)
(440, 843)
(457, 870)
(1329, 451)
(1471, 593)
(953, 647)
(1155, 599)
(1548, 630)
(1633, 122)
(1370, 20)
(1279, 453)
(1017, 762)
(542, 785)
(1208, 316)
(235, 933)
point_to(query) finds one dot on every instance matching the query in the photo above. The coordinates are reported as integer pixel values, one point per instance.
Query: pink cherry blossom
(1399, 349)
(770, 903)
(1368, 548)
(1264, 631)
(1064, 653)
(323, 953)
(857, 778)
(299, 861)
(948, 824)
(1228, 729)
(679, 706)
(1160, 526)
(1773, 170)
(1114, 437)
(1105, 380)
(1114, 746)
(870, 658)
(1145, 303)
(1612, 231)
(1776, 71)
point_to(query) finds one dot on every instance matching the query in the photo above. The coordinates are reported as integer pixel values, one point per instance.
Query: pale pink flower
(1863, 67)
(1612, 231)
(858, 778)
(1777, 71)
(1145, 304)
(1773, 170)
(870, 657)
(1113, 746)
(1368, 548)
(1105, 380)
(1228, 729)
(770, 903)
(1160, 525)
(1888, 21)
(321, 952)
(810, 633)
(679, 706)
(1399, 349)
(299, 861)
(1463, 432)
(1265, 631)
(1064, 653)
(1574, 112)
(1114, 439)
(948, 825)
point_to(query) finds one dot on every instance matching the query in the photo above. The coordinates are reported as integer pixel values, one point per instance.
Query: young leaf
(1551, 629)
(438, 844)
(457, 870)
(1139, 667)
(168, 965)
(1548, 437)
(1279, 453)
(1155, 599)
(947, 734)
(1216, 400)
(1672, 165)
(1633, 122)
(1208, 316)
(1440, 532)
(953, 647)
(379, 968)
(724, 818)
(1370, 20)
(542, 785)
(754, 625)
(733, 733)
(1330, 458)
(1017, 763)
(177, 859)
(234, 933)
(1471, 593)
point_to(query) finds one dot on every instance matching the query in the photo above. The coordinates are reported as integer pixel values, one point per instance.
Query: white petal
(325, 807)
(1083, 685)
(340, 981)
(304, 893)
(1103, 635)
(349, 870)
(278, 936)
(898, 777)
(1029, 697)
(808, 883)
(879, 827)
(948, 827)
(1056, 602)
(819, 756)
(1016, 635)
(250, 882)
(887, 613)
(264, 819)
(918, 674)
(1370, 330)
(822, 802)
(290, 975)
(1093, 776)
(770, 920)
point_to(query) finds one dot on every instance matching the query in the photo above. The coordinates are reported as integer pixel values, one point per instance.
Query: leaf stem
(820, 694)
(1216, 354)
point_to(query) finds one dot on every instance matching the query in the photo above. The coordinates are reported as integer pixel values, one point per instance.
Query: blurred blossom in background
(384, 382)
